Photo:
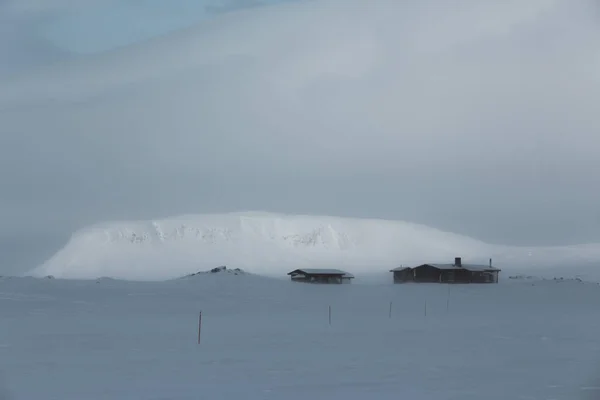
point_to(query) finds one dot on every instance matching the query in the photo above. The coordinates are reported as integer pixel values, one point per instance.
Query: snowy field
(271, 339)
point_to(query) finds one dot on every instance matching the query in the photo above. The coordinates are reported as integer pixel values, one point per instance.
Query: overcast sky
(477, 117)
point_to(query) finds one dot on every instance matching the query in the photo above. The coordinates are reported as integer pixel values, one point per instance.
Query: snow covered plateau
(273, 244)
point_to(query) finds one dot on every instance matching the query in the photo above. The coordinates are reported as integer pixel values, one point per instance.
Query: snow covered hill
(272, 244)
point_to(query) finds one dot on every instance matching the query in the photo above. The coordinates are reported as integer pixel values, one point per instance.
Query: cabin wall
(485, 277)
(466, 276)
(300, 278)
(462, 276)
(406, 275)
(328, 279)
(427, 273)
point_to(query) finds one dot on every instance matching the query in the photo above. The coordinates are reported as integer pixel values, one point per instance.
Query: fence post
(199, 325)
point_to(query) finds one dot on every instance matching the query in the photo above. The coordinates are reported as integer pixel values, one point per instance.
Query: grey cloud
(481, 120)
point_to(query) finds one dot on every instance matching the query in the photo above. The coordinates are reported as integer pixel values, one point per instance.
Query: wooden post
(199, 325)
(329, 315)
(390, 313)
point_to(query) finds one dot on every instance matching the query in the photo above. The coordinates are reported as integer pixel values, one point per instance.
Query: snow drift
(273, 244)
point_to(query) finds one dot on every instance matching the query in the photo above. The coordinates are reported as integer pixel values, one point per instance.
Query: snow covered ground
(246, 88)
(270, 339)
(273, 244)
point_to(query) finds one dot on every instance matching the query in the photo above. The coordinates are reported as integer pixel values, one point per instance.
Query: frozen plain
(266, 338)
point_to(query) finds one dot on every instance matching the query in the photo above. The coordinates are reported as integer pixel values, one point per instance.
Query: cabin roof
(402, 268)
(468, 267)
(323, 271)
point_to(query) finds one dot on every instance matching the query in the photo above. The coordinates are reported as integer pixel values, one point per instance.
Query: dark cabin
(313, 275)
(403, 274)
(447, 273)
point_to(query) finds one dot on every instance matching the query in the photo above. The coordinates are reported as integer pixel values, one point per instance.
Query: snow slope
(273, 244)
(265, 339)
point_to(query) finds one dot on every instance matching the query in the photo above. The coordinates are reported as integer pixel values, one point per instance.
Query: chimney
(457, 262)
(490, 263)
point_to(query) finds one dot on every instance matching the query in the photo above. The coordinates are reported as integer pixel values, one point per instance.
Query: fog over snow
(275, 244)
(262, 243)
(474, 117)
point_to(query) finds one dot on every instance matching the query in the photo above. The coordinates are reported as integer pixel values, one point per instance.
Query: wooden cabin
(447, 273)
(314, 275)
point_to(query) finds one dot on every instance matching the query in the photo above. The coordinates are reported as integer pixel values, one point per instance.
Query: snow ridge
(271, 244)
(265, 243)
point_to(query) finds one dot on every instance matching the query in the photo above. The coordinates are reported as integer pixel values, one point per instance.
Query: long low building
(447, 273)
(315, 275)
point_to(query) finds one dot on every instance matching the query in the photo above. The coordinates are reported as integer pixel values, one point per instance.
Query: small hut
(314, 275)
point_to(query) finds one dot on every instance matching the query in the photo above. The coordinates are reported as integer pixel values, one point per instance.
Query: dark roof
(399, 269)
(324, 271)
(468, 267)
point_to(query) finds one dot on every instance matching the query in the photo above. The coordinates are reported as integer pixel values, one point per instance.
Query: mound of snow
(273, 244)
(218, 270)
